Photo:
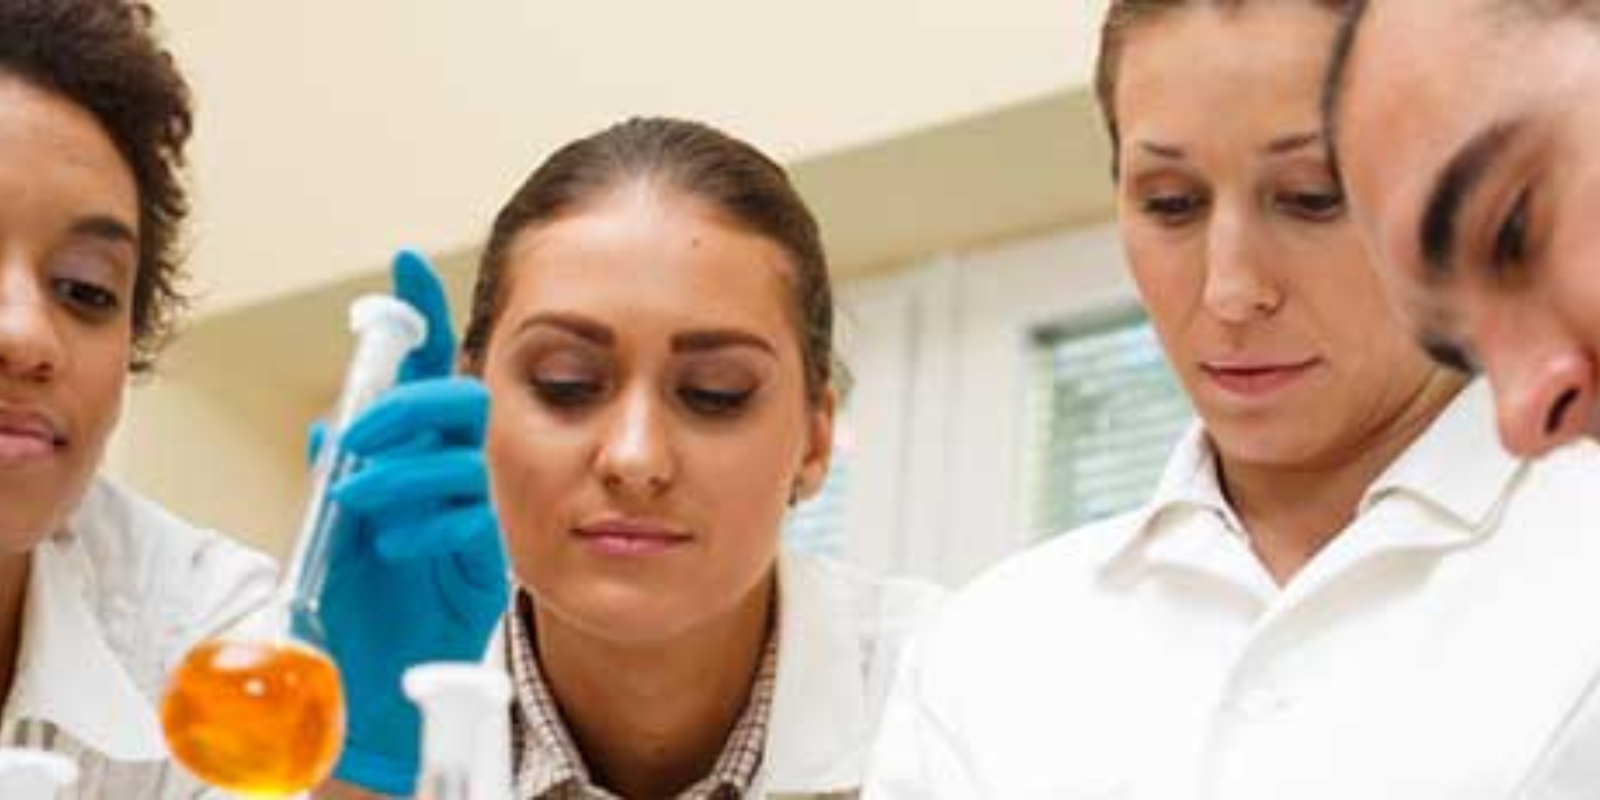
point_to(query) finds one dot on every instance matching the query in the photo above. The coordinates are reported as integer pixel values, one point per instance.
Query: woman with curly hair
(100, 590)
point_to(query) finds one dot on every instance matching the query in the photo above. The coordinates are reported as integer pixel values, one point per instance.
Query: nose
(1238, 286)
(1544, 402)
(636, 454)
(30, 347)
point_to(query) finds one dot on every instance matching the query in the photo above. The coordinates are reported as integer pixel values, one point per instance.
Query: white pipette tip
(466, 742)
(374, 310)
(426, 681)
(27, 774)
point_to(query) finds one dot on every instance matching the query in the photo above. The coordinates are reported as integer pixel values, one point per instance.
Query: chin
(618, 612)
(1268, 442)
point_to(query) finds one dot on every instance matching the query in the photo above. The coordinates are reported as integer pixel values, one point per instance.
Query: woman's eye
(86, 297)
(1171, 209)
(567, 393)
(1315, 206)
(1511, 240)
(715, 403)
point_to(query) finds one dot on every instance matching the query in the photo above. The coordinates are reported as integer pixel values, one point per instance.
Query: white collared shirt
(1444, 645)
(114, 600)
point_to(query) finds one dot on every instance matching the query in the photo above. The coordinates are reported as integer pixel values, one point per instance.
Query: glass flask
(257, 709)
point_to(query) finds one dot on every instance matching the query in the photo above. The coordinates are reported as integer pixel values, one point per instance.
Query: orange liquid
(256, 718)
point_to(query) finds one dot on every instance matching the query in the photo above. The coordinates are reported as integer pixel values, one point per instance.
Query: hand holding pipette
(258, 709)
(422, 576)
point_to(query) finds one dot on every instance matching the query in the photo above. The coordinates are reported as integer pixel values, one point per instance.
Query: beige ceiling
(332, 132)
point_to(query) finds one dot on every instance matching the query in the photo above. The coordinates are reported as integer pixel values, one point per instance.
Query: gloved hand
(416, 572)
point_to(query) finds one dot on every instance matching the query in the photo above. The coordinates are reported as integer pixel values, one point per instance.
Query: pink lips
(1256, 378)
(27, 435)
(631, 538)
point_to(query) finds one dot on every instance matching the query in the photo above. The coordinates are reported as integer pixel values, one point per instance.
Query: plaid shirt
(548, 765)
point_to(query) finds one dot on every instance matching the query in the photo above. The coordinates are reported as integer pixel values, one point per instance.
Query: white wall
(331, 132)
(232, 455)
(940, 352)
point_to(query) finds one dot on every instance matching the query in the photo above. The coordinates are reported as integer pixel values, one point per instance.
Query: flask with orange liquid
(258, 709)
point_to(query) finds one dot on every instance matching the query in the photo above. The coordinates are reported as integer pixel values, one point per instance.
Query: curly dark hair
(103, 55)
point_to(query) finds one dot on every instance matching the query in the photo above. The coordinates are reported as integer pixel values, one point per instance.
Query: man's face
(1469, 139)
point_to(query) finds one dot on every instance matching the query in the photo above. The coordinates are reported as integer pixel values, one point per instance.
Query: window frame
(931, 347)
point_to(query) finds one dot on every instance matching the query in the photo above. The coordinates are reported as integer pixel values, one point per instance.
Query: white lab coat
(842, 632)
(1445, 646)
(115, 599)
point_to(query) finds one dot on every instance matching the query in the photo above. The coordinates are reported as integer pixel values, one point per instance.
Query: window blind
(1105, 411)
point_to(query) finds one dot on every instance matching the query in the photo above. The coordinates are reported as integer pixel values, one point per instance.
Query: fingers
(316, 435)
(416, 282)
(446, 532)
(475, 578)
(469, 562)
(483, 568)
(457, 409)
(453, 476)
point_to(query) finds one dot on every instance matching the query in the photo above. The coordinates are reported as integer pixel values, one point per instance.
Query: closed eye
(1172, 209)
(713, 403)
(1511, 239)
(1313, 206)
(567, 394)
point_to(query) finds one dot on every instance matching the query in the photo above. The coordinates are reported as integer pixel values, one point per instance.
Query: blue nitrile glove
(416, 572)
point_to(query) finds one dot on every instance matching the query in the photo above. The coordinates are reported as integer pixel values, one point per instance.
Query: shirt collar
(1457, 466)
(821, 726)
(69, 674)
(548, 763)
(1188, 507)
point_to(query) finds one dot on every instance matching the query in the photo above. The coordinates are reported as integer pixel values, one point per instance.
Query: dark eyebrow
(581, 327)
(1292, 142)
(105, 227)
(1461, 176)
(1278, 146)
(598, 334)
(1162, 150)
(717, 338)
